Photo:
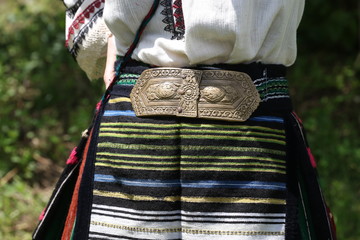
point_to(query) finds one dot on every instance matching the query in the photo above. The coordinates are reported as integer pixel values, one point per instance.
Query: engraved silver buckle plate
(209, 94)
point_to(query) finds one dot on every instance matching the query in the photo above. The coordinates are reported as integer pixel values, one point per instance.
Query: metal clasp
(209, 94)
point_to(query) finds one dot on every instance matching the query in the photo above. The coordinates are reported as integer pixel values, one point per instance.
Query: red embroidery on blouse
(80, 19)
(174, 18)
(179, 18)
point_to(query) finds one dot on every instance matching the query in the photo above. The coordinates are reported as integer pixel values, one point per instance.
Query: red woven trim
(70, 219)
(80, 19)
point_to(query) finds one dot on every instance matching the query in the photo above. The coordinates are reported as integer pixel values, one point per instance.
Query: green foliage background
(46, 102)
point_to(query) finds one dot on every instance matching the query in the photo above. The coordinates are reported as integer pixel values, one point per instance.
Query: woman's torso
(189, 32)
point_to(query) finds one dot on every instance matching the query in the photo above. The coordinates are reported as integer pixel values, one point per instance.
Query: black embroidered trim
(167, 12)
(174, 20)
(72, 10)
(179, 23)
(78, 40)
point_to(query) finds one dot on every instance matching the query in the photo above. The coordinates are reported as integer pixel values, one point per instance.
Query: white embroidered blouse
(191, 32)
(184, 32)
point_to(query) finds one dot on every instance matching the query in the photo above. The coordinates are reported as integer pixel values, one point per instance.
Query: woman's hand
(109, 73)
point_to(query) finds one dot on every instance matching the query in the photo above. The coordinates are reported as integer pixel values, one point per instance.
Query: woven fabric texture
(179, 178)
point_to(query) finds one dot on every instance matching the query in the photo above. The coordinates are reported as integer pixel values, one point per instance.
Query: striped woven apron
(182, 178)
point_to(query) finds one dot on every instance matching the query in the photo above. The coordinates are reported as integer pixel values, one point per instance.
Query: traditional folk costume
(195, 138)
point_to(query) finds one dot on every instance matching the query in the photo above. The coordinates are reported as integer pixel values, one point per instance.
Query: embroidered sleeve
(87, 35)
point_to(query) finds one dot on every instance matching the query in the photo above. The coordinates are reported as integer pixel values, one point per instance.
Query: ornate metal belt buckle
(166, 91)
(210, 94)
(227, 95)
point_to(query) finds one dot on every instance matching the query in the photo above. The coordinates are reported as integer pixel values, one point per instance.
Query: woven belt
(209, 94)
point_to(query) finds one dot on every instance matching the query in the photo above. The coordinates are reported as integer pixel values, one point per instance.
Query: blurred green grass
(19, 206)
